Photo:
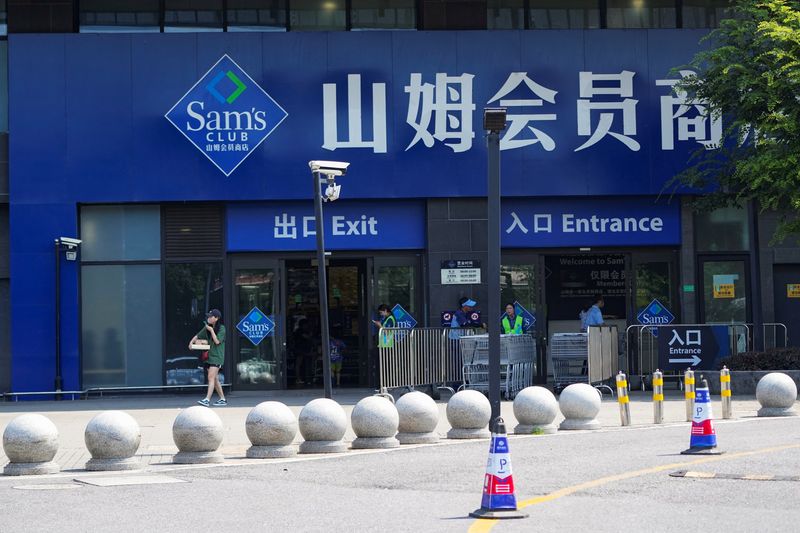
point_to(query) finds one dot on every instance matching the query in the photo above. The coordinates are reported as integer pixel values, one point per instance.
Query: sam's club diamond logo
(226, 115)
(256, 326)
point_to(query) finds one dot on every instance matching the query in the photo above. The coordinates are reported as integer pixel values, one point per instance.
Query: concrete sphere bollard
(580, 404)
(322, 424)
(197, 432)
(271, 428)
(776, 392)
(419, 416)
(375, 420)
(535, 408)
(469, 412)
(112, 437)
(30, 442)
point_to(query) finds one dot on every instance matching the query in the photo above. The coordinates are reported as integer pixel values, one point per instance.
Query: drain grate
(745, 477)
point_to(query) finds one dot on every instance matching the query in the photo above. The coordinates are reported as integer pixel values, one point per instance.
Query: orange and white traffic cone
(703, 439)
(499, 499)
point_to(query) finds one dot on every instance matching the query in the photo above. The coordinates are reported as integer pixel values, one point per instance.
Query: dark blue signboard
(655, 314)
(348, 226)
(544, 222)
(698, 347)
(226, 115)
(256, 326)
(403, 318)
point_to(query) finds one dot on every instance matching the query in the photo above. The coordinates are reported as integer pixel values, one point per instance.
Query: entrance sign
(403, 318)
(461, 272)
(655, 314)
(698, 347)
(555, 222)
(358, 225)
(256, 326)
(226, 115)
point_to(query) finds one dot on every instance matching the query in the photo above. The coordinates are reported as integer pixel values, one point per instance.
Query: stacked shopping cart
(517, 365)
(570, 355)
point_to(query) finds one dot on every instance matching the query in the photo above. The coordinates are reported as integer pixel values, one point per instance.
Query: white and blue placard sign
(403, 317)
(528, 318)
(348, 226)
(556, 222)
(256, 326)
(226, 115)
(655, 314)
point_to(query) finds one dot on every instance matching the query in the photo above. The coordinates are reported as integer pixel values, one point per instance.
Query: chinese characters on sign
(698, 347)
(461, 272)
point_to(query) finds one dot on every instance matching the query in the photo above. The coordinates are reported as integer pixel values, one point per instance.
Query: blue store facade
(181, 163)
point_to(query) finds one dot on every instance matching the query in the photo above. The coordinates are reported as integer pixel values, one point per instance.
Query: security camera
(332, 192)
(329, 168)
(69, 242)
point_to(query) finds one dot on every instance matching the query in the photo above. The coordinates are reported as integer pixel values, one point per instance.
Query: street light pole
(494, 121)
(323, 284)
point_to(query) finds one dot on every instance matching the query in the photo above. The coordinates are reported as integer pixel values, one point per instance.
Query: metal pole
(323, 287)
(493, 271)
(725, 392)
(755, 277)
(688, 393)
(58, 319)
(622, 398)
(658, 397)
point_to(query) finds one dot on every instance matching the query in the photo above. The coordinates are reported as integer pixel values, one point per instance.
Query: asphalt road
(608, 480)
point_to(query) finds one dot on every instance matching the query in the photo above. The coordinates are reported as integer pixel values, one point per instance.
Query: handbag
(204, 356)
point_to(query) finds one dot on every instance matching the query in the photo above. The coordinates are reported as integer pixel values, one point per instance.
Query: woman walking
(214, 334)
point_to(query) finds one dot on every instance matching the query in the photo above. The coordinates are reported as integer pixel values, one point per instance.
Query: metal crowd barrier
(410, 358)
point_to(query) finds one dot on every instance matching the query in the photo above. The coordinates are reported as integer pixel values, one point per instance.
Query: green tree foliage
(750, 76)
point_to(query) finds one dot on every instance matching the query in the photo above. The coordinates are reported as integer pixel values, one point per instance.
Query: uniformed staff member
(512, 322)
(387, 320)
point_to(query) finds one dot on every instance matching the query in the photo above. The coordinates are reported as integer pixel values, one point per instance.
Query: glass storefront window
(518, 283)
(100, 16)
(319, 15)
(192, 15)
(724, 291)
(256, 363)
(722, 230)
(191, 290)
(564, 14)
(704, 13)
(121, 233)
(121, 325)
(641, 13)
(383, 14)
(505, 14)
(256, 15)
(653, 282)
(397, 285)
(3, 18)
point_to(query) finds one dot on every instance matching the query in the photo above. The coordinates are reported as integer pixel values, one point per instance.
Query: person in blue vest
(511, 322)
(594, 317)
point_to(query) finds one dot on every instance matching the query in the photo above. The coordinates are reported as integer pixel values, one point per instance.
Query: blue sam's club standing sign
(655, 314)
(256, 326)
(403, 318)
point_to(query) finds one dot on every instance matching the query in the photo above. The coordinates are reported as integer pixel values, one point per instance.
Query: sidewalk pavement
(155, 415)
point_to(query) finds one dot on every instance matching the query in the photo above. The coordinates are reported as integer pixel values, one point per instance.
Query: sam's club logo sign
(226, 115)
(256, 326)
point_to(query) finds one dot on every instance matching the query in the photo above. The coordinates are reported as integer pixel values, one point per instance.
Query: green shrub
(774, 359)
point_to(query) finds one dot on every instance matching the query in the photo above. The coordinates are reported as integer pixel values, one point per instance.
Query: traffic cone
(499, 500)
(703, 439)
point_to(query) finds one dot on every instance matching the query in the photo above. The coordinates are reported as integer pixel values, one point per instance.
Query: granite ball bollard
(469, 412)
(375, 420)
(30, 442)
(271, 428)
(419, 416)
(322, 423)
(535, 408)
(580, 404)
(112, 438)
(197, 432)
(776, 392)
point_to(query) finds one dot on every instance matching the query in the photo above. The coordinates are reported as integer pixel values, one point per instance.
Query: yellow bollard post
(688, 382)
(622, 398)
(725, 392)
(658, 397)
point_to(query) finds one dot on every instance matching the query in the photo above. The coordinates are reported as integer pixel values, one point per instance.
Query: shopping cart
(517, 365)
(570, 355)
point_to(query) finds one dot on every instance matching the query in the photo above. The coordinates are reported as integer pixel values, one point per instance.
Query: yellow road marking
(483, 525)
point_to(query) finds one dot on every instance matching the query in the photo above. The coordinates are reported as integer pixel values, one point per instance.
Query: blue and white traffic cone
(499, 500)
(703, 438)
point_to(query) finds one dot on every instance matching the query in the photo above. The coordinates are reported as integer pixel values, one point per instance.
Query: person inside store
(302, 348)
(386, 320)
(213, 333)
(511, 322)
(594, 317)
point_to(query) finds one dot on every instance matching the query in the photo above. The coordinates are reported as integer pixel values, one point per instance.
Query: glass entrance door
(257, 363)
